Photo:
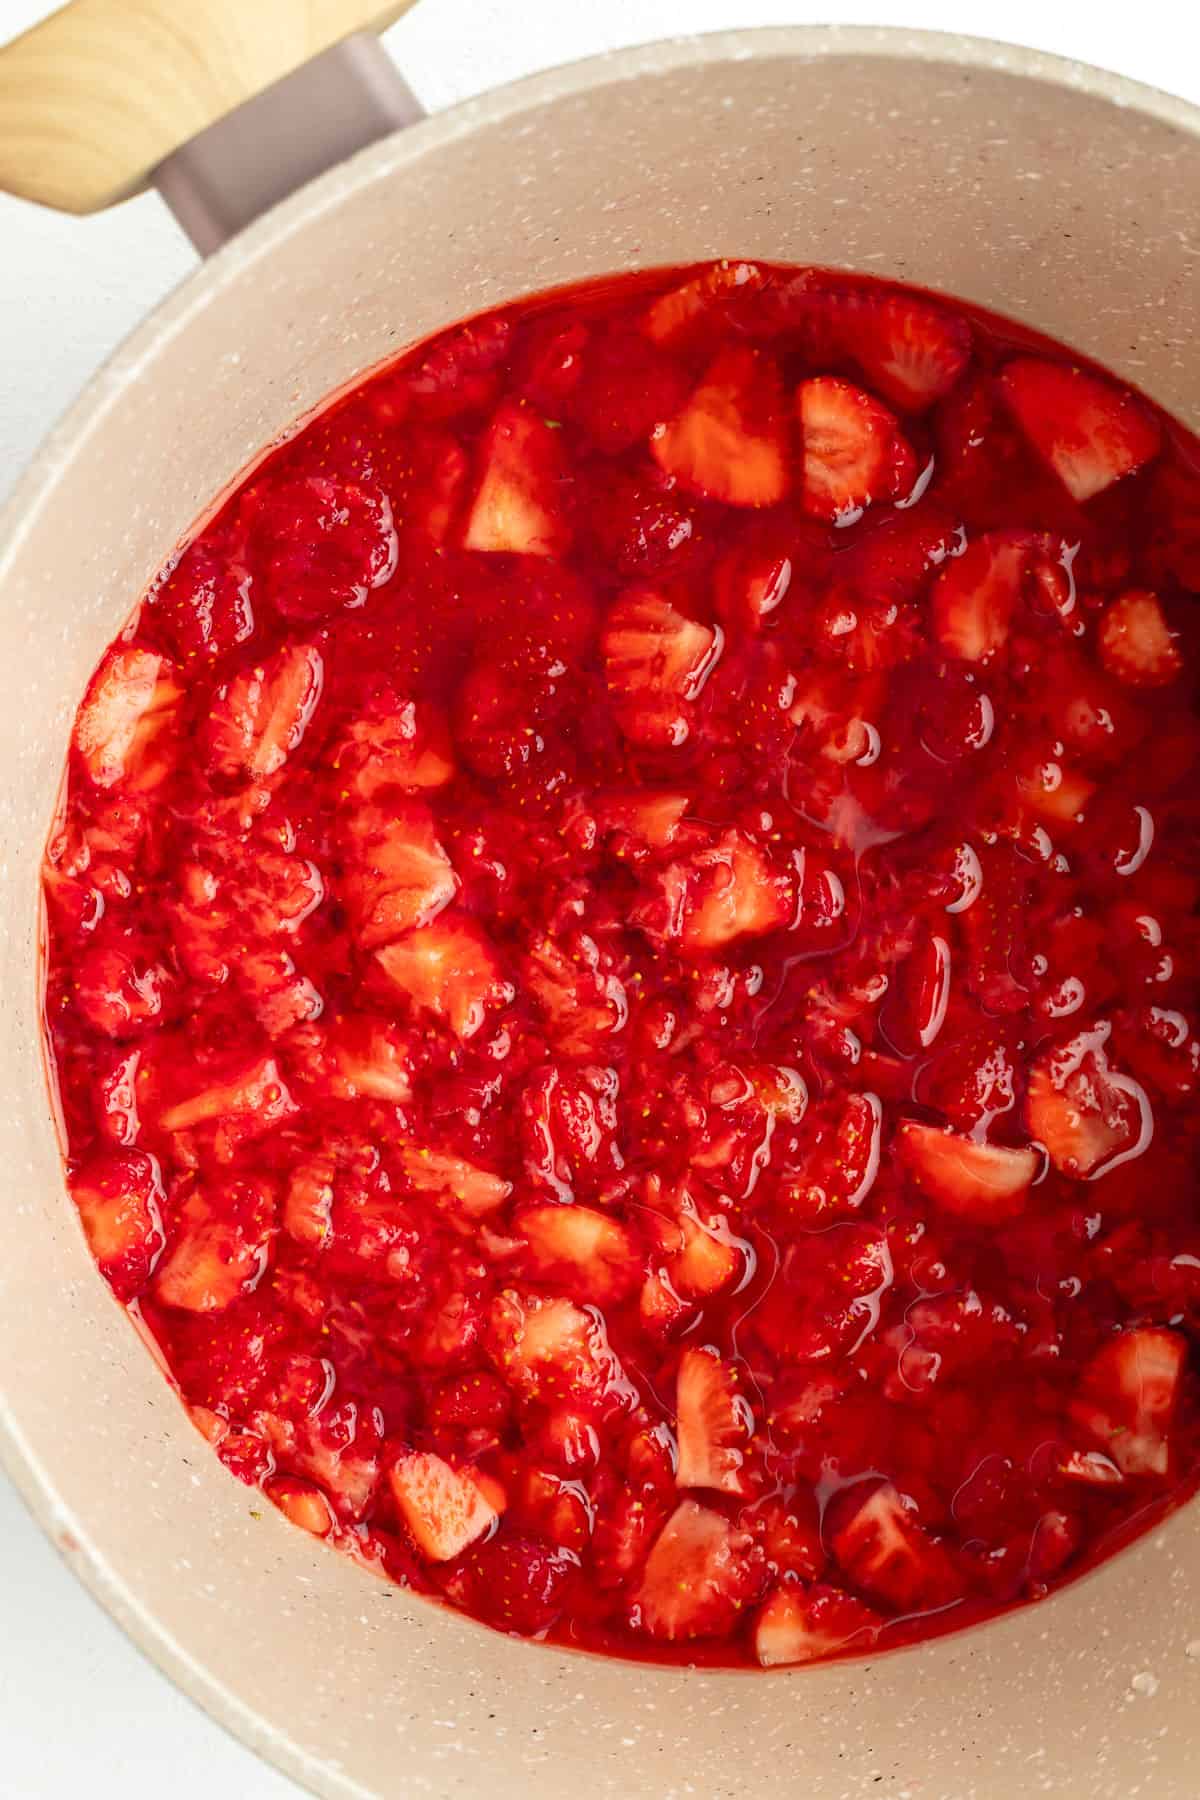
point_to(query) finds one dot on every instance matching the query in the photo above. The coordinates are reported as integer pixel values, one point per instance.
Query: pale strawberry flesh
(623, 974)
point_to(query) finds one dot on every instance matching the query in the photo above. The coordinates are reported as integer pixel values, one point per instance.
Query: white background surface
(80, 1712)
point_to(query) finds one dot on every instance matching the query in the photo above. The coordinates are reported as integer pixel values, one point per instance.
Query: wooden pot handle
(96, 97)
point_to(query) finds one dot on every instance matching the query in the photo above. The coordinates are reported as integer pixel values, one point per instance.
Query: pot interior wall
(922, 159)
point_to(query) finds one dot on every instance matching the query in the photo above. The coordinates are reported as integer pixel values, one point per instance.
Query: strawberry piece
(705, 1255)
(725, 892)
(1055, 791)
(400, 876)
(370, 1060)
(551, 1351)
(444, 1508)
(713, 1421)
(853, 451)
(1089, 1117)
(587, 1253)
(1135, 642)
(914, 1009)
(581, 1004)
(730, 441)
(1089, 431)
(699, 1578)
(518, 503)
(630, 1518)
(326, 544)
(826, 1299)
(648, 817)
(119, 994)
(997, 970)
(656, 661)
(976, 594)
(119, 1198)
(885, 1552)
(517, 1584)
(778, 561)
(454, 1182)
(971, 1081)
(841, 1163)
(457, 373)
(986, 1182)
(218, 1249)
(124, 729)
(643, 524)
(448, 970)
(204, 603)
(1129, 1396)
(301, 1503)
(799, 1624)
(909, 350)
(626, 387)
(400, 747)
(252, 1102)
(689, 311)
(568, 1117)
(260, 717)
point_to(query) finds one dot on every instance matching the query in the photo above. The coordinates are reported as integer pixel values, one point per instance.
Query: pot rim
(86, 415)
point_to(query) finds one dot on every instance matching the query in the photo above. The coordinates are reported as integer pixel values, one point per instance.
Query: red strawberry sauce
(622, 967)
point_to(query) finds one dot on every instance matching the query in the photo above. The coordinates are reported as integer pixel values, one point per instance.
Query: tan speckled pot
(1042, 189)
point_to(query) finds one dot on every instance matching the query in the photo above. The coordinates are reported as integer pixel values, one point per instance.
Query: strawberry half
(261, 716)
(124, 728)
(1135, 642)
(518, 503)
(730, 441)
(656, 661)
(684, 312)
(909, 350)
(1130, 1390)
(799, 1624)
(886, 1553)
(985, 1182)
(700, 1575)
(444, 1508)
(853, 451)
(976, 594)
(713, 1421)
(1089, 431)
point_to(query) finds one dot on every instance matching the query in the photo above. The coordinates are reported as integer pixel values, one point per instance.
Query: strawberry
(1089, 431)
(301, 1503)
(337, 1447)
(986, 1182)
(713, 1420)
(325, 544)
(279, 996)
(826, 1299)
(993, 925)
(457, 373)
(453, 1182)
(119, 1198)
(914, 1008)
(801, 1624)
(117, 1115)
(473, 1403)
(568, 1121)
(701, 1574)
(581, 1004)
(886, 1553)
(841, 1162)
(976, 595)
(1135, 642)
(1129, 1393)
(399, 746)
(251, 1102)
(586, 1253)
(910, 351)
(518, 502)
(444, 1508)
(853, 451)
(260, 717)
(204, 604)
(643, 525)
(704, 1255)
(218, 1248)
(656, 661)
(1088, 1116)
(972, 1080)
(399, 876)
(124, 730)
(700, 305)
(517, 1584)
(725, 892)
(632, 1512)
(447, 969)
(1054, 791)
(626, 387)
(755, 577)
(369, 1059)
(730, 440)
(550, 1351)
(642, 818)
(121, 994)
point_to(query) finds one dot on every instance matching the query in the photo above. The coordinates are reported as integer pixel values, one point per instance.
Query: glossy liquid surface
(622, 967)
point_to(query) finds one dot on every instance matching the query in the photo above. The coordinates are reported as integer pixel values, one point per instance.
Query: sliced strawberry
(909, 350)
(125, 727)
(976, 594)
(1135, 642)
(550, 1351)
(705, 1256)
(656, 661)
(629, 1518)
(447, 969)
(120, 1207)
(455, 1183)
(986, 1182)
(218, 1250)
(799, 1624)
(730, 441)
(853, 450)
(252, 1102)
(1129, 1394)
(568, 1122)
(885, 1552)
(279, 996)
(370, 1059)
(518, 503)
(713, 1421)
(402, 746)
(586, 1253)
(444, 1508)
(685, 312)
(725, 892)
(582, 1004)
(260, 717)
(1089, 1117)
(649, 817)
(1089, 431)
(120, 994)
(400, 876)
(699, 1578)
(301, 1503)
(308, 1202)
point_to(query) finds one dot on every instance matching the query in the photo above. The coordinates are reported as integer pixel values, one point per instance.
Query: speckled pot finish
(1030, 185)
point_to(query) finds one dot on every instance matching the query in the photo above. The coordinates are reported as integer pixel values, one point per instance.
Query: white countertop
(80, 1711)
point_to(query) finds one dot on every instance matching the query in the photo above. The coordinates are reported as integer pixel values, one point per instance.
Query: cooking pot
(1032, 186)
